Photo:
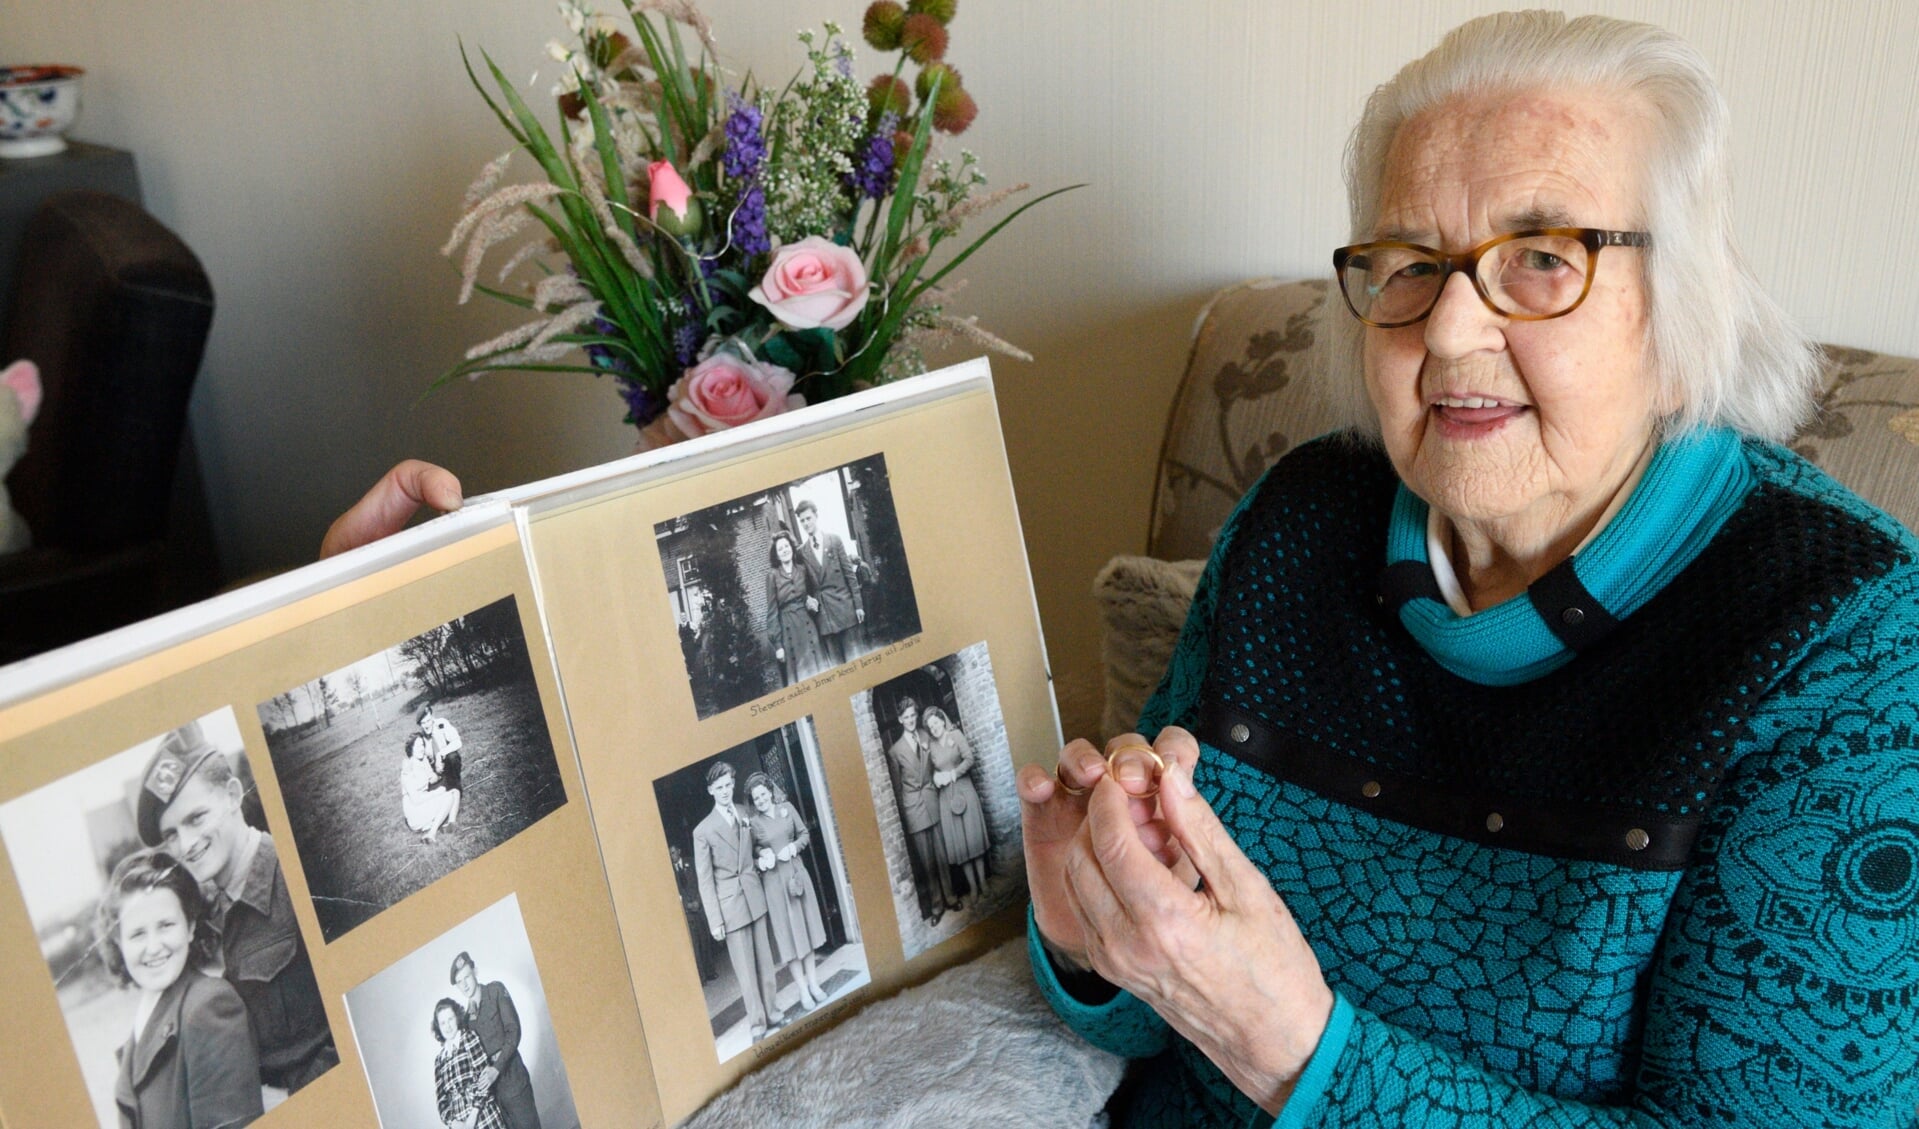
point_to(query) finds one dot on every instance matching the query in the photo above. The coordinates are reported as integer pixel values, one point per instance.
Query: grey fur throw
(976, 1045)
(1142, 603)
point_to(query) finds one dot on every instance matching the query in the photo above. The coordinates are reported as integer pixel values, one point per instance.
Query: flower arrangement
(729, 252)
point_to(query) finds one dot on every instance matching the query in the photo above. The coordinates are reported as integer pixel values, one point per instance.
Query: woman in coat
(189, 1062)
(790, 604)
(792, 906)
(962, 820)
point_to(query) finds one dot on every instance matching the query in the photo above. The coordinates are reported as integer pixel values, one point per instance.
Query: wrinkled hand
(1050, 818)
(391, 503)
(1224, 964)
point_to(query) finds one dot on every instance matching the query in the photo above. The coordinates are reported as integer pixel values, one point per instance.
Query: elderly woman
(1601, 805)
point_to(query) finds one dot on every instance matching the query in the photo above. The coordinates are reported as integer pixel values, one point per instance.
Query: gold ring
(1064, 786)
(1159, 766)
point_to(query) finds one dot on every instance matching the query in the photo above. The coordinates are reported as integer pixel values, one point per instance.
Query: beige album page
(801, 682)
(332, 864)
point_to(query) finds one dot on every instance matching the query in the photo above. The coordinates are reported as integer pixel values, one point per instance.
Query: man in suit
(733, 900)
(919, 811)
(835, 583)
(190, 804)
(490, 1014)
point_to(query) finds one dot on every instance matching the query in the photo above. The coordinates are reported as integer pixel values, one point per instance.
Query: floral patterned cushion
(1252, 391)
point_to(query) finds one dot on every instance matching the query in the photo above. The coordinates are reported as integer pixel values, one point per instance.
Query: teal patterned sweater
(1674, 880)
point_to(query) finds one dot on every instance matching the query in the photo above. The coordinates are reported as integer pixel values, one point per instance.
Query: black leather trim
(1557, 829)
(1407, 580)
(1569, 609)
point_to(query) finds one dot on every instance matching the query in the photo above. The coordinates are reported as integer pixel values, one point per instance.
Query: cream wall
(313, 154)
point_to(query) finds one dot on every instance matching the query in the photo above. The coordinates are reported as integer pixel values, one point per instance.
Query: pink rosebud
(725, 391)
(664, 187)
(812, 284)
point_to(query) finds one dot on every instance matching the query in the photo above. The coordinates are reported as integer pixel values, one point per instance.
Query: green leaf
(609, 159)
(531, 134)
(779, 350)
(903, 190)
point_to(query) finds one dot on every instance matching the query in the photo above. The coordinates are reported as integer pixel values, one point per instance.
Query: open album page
(801, 681)
(330, 865)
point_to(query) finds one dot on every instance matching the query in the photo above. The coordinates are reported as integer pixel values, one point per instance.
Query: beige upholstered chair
(1253, 390)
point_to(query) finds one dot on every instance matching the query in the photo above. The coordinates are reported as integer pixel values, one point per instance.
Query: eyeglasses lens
(1533, 277)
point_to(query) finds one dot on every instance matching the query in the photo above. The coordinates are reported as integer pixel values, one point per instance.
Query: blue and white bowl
(37, 107)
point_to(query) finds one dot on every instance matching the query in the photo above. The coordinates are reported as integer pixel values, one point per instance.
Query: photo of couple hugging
(430, 776)
(939, 807)
(479, 1079)
(813, 605)
(170, 933)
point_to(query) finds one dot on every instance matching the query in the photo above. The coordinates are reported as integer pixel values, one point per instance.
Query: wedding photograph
(776, 587)
(937, 756)
(457, 1033)
(763, 885)
(403, 767)
(156, 889)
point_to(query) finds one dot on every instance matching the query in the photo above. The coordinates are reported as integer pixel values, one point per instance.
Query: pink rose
(812, 284)
(725, 391)
(665, 187)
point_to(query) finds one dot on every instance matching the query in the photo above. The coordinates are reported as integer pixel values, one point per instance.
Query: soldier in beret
(190, 805)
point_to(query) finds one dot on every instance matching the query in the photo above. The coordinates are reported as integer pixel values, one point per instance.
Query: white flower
(560, 52)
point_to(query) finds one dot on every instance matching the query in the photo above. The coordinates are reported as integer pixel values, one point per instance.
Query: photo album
(568, 809)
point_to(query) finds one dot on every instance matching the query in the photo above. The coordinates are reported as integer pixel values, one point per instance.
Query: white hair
(1722, 351)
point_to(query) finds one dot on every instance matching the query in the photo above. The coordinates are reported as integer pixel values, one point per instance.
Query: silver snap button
(1370, 789)
(1239, 734)
(1572, 617)
(1495, 821)
(1637, 839)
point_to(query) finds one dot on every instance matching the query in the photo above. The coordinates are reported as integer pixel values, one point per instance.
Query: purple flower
(749, 223)
(872, 172)
(642, 406)
(745, 145)
(686, 342)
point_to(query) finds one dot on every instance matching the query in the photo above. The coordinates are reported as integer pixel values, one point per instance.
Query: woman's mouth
(1470, 416)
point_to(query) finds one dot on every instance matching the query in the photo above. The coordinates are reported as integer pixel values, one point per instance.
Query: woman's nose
(1460, 322)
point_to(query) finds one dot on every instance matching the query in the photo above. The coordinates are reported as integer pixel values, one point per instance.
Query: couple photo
(403, 767)
(457, 1035)
(772, 589)
(162, 910)
(937, 755)
(765, 892)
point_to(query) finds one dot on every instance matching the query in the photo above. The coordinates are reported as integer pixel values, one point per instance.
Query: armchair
(115, 309)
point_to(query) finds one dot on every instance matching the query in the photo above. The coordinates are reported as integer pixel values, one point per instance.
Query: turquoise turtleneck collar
(1692, 485)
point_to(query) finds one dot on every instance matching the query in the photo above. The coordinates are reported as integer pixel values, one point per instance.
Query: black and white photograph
(774, 588)
(405, 766)
(156, 889)
(936, 753)
(458, 1035)
(762, 880)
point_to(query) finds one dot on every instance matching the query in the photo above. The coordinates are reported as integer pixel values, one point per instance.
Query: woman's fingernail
(1179, 781)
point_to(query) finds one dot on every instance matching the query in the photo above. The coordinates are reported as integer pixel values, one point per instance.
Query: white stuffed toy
(19, 402)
